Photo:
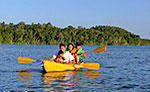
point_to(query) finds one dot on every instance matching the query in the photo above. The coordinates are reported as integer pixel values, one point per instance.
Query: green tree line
(22, 33)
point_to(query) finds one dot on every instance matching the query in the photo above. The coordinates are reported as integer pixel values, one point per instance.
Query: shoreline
(82, 45)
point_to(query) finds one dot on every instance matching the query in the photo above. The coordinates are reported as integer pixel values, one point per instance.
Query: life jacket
(73, 51)
(79, 56)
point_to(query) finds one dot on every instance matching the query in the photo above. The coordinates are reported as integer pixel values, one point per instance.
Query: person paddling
(80, 53)
(68, 57)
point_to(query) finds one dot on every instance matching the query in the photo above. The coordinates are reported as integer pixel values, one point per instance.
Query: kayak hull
(50, 66)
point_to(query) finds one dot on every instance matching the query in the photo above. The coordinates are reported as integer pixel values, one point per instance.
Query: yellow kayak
(50, 66)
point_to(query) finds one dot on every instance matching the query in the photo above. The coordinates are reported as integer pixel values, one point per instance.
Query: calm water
(123, 69)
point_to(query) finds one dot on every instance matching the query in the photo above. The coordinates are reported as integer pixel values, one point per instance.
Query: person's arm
(52, 58)
(60, 60)
(83, 54)
(64, 58)
(76, 59)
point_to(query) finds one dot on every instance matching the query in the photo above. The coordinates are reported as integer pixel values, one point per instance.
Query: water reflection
(60, 81)
(24, 78)
(67, 80)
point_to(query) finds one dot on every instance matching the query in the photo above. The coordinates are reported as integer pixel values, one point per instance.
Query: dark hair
(60, 52)
(70, 44)
(62, 45)
(78, 44)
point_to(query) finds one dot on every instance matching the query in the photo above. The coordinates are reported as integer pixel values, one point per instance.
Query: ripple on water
(128, 86)
(110, 67)
(147, 86)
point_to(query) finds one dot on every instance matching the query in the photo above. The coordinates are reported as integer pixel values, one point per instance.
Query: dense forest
(22, 33)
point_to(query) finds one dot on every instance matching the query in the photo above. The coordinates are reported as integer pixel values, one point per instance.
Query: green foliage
(22, 33)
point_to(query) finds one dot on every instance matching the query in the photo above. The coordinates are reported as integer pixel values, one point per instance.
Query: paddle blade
(25, 60)
(99, 49)
(93, 66)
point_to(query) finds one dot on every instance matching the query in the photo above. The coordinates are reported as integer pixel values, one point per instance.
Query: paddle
(93, 66)
(98, 50)
(25, 60)
(28, 60)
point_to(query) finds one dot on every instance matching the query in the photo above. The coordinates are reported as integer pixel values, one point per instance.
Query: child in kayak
(72, 50)
(60, 58)
(80, 53)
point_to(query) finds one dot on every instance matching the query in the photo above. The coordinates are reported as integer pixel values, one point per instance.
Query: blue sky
(132, 15)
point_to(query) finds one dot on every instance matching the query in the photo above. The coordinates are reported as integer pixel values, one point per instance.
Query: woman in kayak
(68, 57)
(72, 50)
(70, 47)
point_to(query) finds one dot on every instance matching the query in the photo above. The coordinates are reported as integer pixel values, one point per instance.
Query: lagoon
(122, 69)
